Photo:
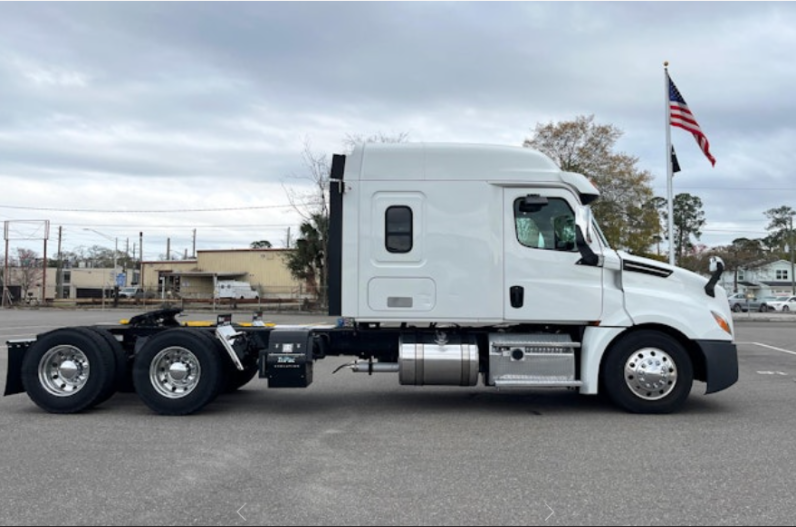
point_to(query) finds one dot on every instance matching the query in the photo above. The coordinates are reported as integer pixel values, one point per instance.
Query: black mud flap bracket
(288, 361)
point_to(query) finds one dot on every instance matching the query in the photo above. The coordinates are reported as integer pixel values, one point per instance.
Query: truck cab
(479, 236)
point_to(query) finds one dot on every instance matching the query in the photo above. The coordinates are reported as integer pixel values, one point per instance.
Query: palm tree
(308, 261)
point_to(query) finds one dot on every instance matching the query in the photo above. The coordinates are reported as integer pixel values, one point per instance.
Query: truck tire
(178, 372)
(648, 372)
(68, 370)
(122, 381)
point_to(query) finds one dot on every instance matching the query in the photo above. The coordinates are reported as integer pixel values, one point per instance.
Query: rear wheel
(737, 308)
(178, 372)
(763, 308)
(648, 372)
(68, 370)
(122, 378)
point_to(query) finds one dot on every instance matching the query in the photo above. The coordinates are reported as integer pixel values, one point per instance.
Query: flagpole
(669, 179)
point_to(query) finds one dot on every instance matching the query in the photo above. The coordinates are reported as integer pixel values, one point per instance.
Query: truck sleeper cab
(448, 265)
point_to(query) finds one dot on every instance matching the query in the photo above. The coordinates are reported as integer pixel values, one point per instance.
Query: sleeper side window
(398, 235)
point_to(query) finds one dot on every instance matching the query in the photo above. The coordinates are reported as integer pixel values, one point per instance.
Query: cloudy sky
(163, 118)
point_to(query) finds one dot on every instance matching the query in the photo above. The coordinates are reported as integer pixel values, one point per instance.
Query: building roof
(243, 250)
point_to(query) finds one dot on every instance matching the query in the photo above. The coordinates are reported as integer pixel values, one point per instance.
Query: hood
(637, 264)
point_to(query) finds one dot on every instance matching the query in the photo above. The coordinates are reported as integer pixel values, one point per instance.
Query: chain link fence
(261, 298)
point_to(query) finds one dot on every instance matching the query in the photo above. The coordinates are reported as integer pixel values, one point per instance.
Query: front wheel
(648, 372)
(763, 308)
(785, 309)
(737, 308)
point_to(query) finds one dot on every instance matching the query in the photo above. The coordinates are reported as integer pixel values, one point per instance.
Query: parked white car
(785, 303)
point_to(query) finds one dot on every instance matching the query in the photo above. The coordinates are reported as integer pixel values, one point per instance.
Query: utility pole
(59, 276)
(792, 276)
(44, 265)
(141, 271)
(288, 238)
(168, 249)
(194, 243)
(5, 299)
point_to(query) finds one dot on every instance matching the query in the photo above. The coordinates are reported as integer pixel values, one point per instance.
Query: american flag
(682, 117)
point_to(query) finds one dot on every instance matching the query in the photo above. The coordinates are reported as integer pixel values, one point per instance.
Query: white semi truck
(448, 265)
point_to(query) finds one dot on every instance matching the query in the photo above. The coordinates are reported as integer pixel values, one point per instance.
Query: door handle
(517, 296)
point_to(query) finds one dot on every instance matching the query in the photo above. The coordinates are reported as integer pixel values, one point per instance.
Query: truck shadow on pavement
(433, 401)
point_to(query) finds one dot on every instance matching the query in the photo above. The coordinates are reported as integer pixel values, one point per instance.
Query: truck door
(543, 280)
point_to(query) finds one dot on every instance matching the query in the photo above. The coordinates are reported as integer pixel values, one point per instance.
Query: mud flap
(16, 352)
(721, 364)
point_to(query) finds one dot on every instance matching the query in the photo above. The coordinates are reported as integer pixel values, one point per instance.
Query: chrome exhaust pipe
(371, 367)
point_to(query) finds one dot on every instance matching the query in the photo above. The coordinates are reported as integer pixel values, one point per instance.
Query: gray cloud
(148, 95)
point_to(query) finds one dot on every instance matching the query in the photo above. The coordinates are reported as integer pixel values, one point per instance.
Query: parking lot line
(771, 347)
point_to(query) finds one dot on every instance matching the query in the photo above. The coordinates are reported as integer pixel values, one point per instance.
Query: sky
(122, 121)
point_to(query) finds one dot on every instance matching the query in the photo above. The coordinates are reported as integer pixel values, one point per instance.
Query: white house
(769, 279)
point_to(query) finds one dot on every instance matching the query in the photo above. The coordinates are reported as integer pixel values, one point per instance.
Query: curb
(781, 318)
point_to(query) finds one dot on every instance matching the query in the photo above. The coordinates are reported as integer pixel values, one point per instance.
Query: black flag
(675, 164)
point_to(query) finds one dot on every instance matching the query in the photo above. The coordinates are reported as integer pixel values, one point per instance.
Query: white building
(768, 279)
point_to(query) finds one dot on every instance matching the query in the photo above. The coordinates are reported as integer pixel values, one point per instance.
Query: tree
(623, 210)
(741, 254)
(780, 226)
(697, 258)
(307, 262)
(29, 271)
(261, 244)
(689, 218)
(96, 257)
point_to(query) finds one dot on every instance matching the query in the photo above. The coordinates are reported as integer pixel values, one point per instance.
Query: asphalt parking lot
(353, 449)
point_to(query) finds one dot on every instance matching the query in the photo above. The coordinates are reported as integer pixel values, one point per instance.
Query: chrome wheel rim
(175, 372)
(651, 374)
(64, 371)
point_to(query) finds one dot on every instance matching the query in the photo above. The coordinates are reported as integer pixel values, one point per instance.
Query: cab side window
(550, 227)
(398, 227)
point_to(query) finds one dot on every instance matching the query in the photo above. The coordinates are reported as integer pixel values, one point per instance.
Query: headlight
(723, 324)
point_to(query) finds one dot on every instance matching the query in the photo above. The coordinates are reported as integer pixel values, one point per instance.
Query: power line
(733, 230)
(178, 227)
(105, 211)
